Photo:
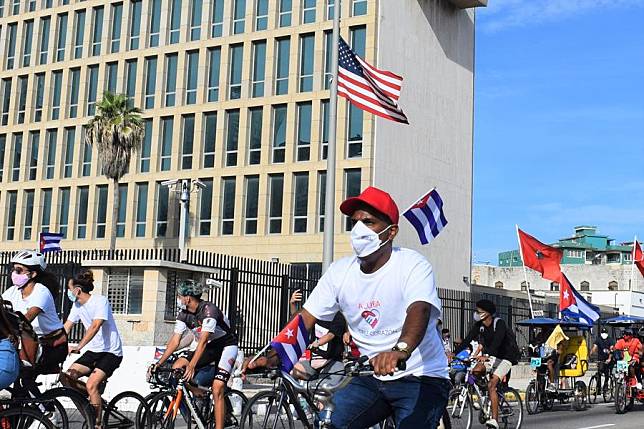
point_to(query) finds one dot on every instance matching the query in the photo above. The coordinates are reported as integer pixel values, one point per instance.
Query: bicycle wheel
(459, 409)
(124, 411)
(593, 389)
(80, 414)
(236, 403)
(581, 395)
(607, 389)
(267, 410)
(620, 397)
(24, 417)
(510, 409)
(532, 398)
(160, 418)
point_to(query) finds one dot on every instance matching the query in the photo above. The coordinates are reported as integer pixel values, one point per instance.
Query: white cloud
(501, 14)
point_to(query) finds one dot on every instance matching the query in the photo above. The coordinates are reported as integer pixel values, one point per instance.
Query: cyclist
(212, 360)
(9, 361)
(631, 345)
(33, 293)
(389, 299)
(605, 362)
(457, 368)
(102, 341)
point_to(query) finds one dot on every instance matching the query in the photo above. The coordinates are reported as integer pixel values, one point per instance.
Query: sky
(559, 121)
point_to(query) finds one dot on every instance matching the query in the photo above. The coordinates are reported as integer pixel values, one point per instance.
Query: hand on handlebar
(386, 363)
(481, 358)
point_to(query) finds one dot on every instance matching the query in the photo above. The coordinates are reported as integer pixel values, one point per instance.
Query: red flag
(638, 258)
(540, 257)
(566, 295)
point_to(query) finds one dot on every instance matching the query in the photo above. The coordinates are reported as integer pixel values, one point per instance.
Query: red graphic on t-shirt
(371, 317)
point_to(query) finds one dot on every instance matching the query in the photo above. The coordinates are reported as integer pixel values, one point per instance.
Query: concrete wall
(431, 44)
(630, 303)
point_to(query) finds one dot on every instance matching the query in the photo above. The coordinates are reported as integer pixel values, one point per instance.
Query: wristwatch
(402, 346)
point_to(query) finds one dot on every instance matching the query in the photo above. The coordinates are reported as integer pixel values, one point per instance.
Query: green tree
(117, 131)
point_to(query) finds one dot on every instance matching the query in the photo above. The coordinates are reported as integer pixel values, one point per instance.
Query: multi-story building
(235, 94)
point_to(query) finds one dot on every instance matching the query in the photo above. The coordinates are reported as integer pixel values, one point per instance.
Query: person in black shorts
(605, 362)
(212, 360)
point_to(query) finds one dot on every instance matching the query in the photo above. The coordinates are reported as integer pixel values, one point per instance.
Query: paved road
(598, 416)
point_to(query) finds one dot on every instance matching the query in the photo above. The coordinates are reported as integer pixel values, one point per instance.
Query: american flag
(376, 91)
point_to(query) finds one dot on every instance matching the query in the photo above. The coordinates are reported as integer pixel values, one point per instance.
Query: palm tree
(116, 130)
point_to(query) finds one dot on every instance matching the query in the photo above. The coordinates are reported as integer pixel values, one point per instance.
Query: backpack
(512, 352)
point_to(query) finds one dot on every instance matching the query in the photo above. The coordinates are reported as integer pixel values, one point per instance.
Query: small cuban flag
(50, 242)
(573, 306)
(426, 216)
(291, 343)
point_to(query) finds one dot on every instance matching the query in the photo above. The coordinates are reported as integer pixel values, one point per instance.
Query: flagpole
(632, 285)
(329, 197)
(525, 273)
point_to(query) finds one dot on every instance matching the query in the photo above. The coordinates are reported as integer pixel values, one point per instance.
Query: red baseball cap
(373, 197)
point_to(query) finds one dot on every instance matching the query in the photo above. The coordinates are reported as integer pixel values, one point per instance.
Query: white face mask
(604, 335)
(180, 304)
(365, 241)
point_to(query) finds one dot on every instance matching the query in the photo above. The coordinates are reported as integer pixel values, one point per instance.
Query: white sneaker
(491, 423)
(551, 388)
(638, 386)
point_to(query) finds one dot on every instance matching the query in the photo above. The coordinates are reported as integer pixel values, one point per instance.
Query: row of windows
(200, 84)
(92, 21)
(164, 207)
(33, 155)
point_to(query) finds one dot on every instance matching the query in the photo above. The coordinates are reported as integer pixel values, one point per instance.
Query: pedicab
(571, 364)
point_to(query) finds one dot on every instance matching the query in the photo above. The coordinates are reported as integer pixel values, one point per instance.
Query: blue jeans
(415, 402)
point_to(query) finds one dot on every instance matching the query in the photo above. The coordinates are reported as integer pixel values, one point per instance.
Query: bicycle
(24, 413)
(473, 395)
(176, 398)
(607, 390)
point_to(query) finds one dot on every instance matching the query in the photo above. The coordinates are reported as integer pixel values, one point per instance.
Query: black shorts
(105, 361)
(209, 356)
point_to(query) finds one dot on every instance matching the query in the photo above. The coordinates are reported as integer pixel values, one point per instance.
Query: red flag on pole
(638, 257)
(540, 257)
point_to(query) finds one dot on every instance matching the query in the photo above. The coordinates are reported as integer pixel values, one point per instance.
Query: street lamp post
(184, 188)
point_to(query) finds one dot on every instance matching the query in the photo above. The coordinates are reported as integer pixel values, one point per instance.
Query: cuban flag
(291, 343)
(427, 216)
(50, 242)
(573, 306)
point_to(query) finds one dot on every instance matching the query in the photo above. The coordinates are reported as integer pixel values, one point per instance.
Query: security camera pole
(184, 188)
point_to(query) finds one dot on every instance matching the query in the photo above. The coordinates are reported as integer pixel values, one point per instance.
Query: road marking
(599, 426)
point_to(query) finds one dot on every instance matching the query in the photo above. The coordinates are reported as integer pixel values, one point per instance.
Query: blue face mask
(71, 296)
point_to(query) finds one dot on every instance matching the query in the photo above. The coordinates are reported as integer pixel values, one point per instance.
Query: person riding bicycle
(457, 368)
(493, 352)
(9, 361)
(390, 302)
(212, 360)
(33, 294)
(605, 362)
(102, 341)
(632, 346)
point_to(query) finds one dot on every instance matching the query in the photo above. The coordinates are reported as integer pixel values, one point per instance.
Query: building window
(81, 220)
(163, 197)
(28, 33)
(300, 202)
(255, 135)
(73, 96)
(11, 43)
(141, 209)
(613, 258)
(31, 6)
(97, 30)
(125, 290)
(45, 25)
(251, 204)
(524, 287)
(6, 100)
(283, 57)
(205, 207)
(34, 146)
(45, 217)
(3, 147)
(232, 137)
(29, 214)
(122, 211)
(16, 7)
(63, 210)
(52, 136)
(112, 76)
(92, 89)
(171, 80)
(358, 7)
(275, 199)
(217, 26)
(86, 167)
(279, 133)
(303, 131)
(196, 7)
(308, 11)
(498, 285)
(307, 53)
(155, 23)
(79, 33)
(12, 203)
(554, 286)
(330, 7)
(146, 147)
(285, 11)
(166, 143)
(354, 137)
(575, 253)
(352, 179)
(175, 21)
(101, 211)
(236, 64)
(62, 37)
(150, 81)
(612, 285)
(261, 15)
(188, 141)
(324, 147)
(239, 16)
(259, 68)
(214, 61)
(23, 82)
(210, 139)
(359, 40)
(321, 199)
(228, 205)
(193, 70)
(130, 79)
(135, 26)
(17, 157)
(70, 137)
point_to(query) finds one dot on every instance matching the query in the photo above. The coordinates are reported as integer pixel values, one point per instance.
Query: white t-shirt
(47, 320)
(375, 306)
(107, 339)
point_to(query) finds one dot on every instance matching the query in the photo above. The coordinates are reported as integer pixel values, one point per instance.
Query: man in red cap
(390, 302)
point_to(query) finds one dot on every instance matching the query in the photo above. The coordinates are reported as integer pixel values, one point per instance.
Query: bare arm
(171, 347)
(33, 313)
(201, 346)
(324, 339)
(68, 325)
(93, 329)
